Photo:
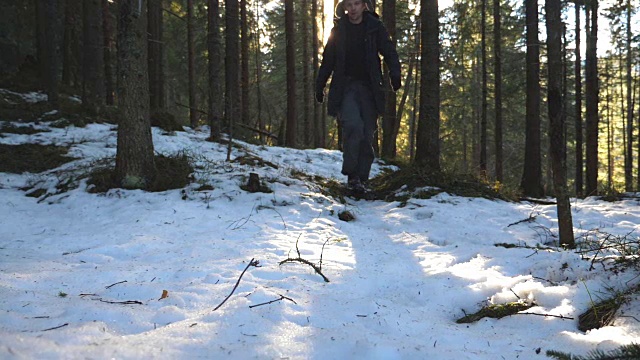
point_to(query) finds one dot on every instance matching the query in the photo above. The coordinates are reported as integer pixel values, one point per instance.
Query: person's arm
(387, 48)
(328, 63)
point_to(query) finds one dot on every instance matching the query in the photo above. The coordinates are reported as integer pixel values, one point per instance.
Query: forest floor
(211, 270)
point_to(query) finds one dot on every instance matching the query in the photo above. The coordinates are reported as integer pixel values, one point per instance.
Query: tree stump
(254, 185)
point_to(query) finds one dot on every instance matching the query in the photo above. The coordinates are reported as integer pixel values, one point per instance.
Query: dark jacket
(333, 61)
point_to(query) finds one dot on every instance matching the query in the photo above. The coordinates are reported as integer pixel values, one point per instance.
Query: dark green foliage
(611, 194)
(166, 121)
(251, 160)
(601, 314)
(495, 311)
(625, 352)
(25, 79)
(614, 252)
(410, 178)
(36, 193)
(408, 182)
(172, 172)
(15, 108)
(32, 158)
(8, 128)
(346, 216)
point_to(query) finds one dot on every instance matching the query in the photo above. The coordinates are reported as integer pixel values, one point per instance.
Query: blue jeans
(358, 118)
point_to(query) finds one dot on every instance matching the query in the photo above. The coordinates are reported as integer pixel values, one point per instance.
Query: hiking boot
(355, 185)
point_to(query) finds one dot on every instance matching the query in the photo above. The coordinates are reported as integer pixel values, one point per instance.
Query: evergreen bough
(625, 352)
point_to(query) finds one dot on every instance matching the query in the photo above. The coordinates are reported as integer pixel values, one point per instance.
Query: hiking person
(356, 94)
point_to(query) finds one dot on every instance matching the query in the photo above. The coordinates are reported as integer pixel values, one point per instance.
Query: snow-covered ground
(82, 275)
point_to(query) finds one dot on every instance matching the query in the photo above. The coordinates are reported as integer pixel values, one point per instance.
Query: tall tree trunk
(485, 94)
(307, 99)
(592, 102)
(135, 166)
(637, 101)
(475, 112)
(408, 81)
(623, 111)
(40, 20)
(565, 93)
(554, 98)
(389, 118)
(290, 129)
(428, 135)
(245, 102)
(47, 30)
(319, 140)
(628, 168)
(109, 24)
(156, 55)
(531, 183)
(191, 60)
(261, 122)
(93, 94)
(72, 58)
(231, 64)
(214, 47)
(609, 123)
(497, 40)
(413, 124)
(579, 180)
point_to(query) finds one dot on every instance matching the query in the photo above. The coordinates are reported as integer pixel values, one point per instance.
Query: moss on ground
(495, 311)
(172, 172)
(9, 128)
(33, 158)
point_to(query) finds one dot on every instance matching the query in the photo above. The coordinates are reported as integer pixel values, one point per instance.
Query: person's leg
(369, 116)
(352, 130)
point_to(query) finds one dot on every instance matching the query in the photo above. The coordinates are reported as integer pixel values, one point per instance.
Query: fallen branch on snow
(251, 263)
(318, 269)
(282, 297)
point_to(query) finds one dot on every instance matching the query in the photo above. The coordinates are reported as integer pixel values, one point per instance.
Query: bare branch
(251, 263)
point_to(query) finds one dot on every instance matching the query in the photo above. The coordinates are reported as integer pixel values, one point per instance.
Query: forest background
(483, 120)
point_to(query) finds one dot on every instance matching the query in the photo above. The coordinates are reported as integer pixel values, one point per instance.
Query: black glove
(395, 83)
(320, 96)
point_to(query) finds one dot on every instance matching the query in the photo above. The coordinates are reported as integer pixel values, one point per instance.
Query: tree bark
(556, 117)
(307, 99)
(191, 60)
(497, 40)
(628, 168)
(93, 94)
(156, 56)
(109, 24)
(389, 118)
(290, 128)
(485, 104)
(637, 101)
(214, 47)
(232, 67)
(428, 135)
(244, 64)
(608, 100)
(52, 28)
(72, 58)
(261, 122)
(319, 130)
(579, 179)
(592, 99)
(531, 183)
(135, 166)
(408, 81)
